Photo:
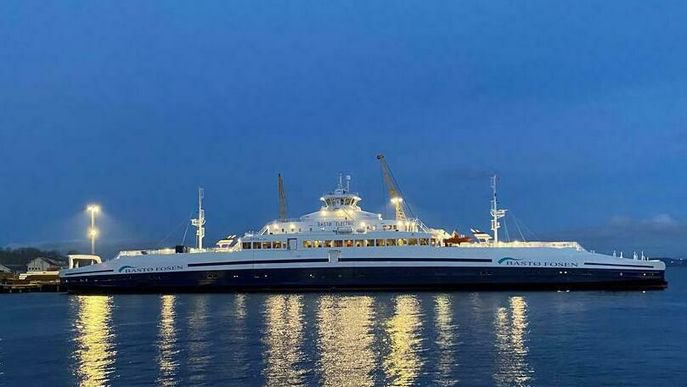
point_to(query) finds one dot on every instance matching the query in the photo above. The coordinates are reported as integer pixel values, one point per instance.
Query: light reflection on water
(511, 343)
(446, 338)
(94, 353)
(403, 363)
(199, 341)
(345, 340)
(283, 340)
(167, 342)
(310, 339)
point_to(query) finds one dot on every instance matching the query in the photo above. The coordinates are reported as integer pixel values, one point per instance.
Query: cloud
(657, 223)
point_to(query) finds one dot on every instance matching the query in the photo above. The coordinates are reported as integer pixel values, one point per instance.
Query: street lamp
(93, 209)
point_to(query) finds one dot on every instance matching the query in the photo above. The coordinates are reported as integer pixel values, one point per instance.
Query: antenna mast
(496, 213)
(282, 198)
(199, 222)
(392, 187)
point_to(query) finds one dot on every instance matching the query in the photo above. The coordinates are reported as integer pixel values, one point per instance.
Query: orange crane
(392, 188)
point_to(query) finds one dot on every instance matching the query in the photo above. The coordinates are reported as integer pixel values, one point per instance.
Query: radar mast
(496, 213)
(199, 222)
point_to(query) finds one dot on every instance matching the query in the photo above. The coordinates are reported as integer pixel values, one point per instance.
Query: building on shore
(42, 264)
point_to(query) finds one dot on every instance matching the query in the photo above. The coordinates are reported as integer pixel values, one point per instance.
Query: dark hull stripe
(221, 279)
(91, 272)
(617, 265)
(264, 261)
(417, 260)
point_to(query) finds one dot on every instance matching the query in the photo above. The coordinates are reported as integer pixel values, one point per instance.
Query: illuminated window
(348, 243)
(359, 243)
(402, 242)
(307, 244)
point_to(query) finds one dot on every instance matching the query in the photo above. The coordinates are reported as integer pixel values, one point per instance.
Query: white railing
(555, 245)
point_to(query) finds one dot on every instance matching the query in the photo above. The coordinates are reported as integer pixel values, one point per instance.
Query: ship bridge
(340, 212)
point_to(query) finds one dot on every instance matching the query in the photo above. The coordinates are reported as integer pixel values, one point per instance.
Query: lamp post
(93, 209)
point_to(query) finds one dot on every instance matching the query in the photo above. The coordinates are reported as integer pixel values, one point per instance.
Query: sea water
(348, 338)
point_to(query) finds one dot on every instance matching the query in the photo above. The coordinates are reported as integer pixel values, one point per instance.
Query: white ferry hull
(466, 269)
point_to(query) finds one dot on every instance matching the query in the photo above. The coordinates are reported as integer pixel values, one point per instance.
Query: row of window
(308, 244)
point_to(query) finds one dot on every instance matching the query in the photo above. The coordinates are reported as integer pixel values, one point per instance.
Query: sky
(579, 107)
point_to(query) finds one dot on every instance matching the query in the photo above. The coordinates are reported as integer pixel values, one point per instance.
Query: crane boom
(282, 198)
(392, 188)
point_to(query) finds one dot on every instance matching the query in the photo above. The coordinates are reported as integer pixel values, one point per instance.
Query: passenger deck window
(338, 243)
(424, 241)
(266, 245)
(381, 243)
(412, 242)
(391, 242)
(245, 245)
(256, 245)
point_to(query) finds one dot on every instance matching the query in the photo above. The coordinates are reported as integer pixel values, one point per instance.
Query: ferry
(342, 247)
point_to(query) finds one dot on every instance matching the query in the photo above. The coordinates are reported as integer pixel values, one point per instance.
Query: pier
(29, 286)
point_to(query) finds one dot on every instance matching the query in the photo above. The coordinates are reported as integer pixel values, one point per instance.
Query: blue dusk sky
(579, 106)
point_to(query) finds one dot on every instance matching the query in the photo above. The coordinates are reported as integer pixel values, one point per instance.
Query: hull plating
(371, 278)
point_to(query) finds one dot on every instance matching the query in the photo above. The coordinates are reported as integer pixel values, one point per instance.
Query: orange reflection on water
(167, 342)
(94, 353)
(345, 340)
(403, 363)
(283, 339)
(445, 339)
(511, 331)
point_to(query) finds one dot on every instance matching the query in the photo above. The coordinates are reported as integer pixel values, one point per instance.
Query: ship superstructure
(341, 246)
